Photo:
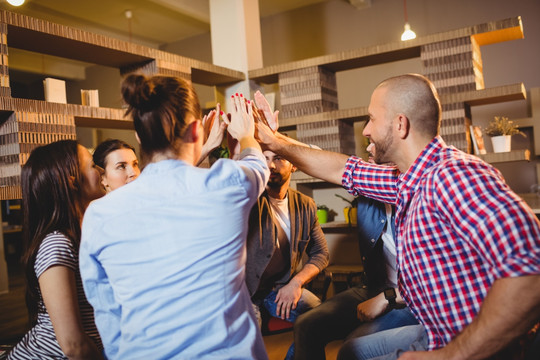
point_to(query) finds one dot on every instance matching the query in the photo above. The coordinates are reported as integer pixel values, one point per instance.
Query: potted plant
(322, 213)
(349, 212)
(500, 129)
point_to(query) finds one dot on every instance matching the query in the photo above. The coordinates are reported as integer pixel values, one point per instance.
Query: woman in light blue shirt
(162, 258)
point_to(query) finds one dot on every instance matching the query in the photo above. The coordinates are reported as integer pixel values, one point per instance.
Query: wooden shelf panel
(492, 95)
(49, 38)
(515, 155)
(487, 33)
(84, 115)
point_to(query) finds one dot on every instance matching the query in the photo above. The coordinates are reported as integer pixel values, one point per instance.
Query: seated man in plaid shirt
(468, 249)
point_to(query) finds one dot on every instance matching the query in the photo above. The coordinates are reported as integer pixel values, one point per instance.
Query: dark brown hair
(51, 201)
(107, 147)
(159, 106)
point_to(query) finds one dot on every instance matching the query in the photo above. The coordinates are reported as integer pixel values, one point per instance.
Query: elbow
(80, 348)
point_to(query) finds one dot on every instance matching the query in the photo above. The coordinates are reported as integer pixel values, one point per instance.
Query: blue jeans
(385, 345)
(336, 319)
(307, 301)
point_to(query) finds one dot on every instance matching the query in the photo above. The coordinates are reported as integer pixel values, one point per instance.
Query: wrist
(390, 296)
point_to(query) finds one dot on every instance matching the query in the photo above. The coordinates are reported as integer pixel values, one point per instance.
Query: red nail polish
(221, 113)
(241, 95)
(236, 94)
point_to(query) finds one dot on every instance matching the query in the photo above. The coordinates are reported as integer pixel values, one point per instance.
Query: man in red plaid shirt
(468, 248)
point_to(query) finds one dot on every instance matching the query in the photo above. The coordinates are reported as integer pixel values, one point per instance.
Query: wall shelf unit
(25, 124)
(452, 60)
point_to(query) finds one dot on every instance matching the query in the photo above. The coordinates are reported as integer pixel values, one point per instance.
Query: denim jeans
(336, 319)
(307, 301)
(385, 345)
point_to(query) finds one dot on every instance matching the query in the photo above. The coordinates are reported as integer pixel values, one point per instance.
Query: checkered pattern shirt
(459, 228)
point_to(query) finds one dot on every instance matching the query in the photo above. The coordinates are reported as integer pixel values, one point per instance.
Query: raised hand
(270, 115)
(214, 128)
(241, 123)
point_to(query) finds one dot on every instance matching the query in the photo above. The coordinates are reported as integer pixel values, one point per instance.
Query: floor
(13, 321)
(277, 346)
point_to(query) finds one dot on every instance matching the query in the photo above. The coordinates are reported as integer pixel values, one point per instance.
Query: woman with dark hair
(119, 162)
(59, 180)
(163, 258)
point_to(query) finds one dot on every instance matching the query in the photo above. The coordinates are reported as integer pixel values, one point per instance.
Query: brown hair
(51, 201)
(159, 106)
(106, 147)
(414, 96)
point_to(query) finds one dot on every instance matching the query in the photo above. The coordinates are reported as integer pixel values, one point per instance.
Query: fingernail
(236, 94)
(241, 95)
(247, 101)
(221, 113)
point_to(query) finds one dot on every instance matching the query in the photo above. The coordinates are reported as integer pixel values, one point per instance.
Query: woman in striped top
(59, 180)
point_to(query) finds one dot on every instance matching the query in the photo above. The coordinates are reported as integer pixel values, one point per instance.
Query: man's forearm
(305, 275)
(510, 309)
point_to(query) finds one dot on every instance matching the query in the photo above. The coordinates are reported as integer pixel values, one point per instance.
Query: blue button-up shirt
(162, 262)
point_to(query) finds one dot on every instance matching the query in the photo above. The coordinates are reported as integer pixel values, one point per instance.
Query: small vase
(350, 215)
(322, 214)
(502, 143)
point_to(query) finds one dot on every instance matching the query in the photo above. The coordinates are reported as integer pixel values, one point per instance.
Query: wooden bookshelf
(492, 95)
(484, 34)
(25, 124)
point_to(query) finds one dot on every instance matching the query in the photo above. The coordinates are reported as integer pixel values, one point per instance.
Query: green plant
(220, 152)
(352, 202)
(500, 125)
(322, 207)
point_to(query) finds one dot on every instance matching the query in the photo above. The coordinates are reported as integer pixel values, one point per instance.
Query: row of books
(4, 69)
(307, 91)
(332, 135)
(306, 108)
(449, 47)
(34, 107)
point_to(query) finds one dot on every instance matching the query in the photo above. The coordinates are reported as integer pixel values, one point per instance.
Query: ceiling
(153, 22)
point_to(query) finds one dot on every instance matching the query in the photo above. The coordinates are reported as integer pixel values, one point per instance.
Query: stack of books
(313, 90)
(454, 66)
(90, 98)
(307, 91)
(20, 134)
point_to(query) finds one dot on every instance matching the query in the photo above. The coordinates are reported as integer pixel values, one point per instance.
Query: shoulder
(302, 199)
(457, 168)
(55, 249)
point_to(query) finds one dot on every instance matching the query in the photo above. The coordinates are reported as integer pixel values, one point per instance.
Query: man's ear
(403, 126)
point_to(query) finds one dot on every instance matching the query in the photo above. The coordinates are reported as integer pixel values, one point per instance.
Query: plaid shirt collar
(429, 157)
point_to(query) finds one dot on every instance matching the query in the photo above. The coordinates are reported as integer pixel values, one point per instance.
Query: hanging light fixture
(408, 34)
(15, 2)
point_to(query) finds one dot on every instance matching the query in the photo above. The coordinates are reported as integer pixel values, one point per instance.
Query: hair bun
(137, 91)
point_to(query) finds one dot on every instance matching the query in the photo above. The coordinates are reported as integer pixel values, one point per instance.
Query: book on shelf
(55, 90)
(478, 140)
(90, 97)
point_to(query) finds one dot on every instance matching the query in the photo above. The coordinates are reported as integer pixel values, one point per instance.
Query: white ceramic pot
(502, 143)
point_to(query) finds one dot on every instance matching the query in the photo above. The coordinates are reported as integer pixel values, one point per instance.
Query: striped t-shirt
(40, 342)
